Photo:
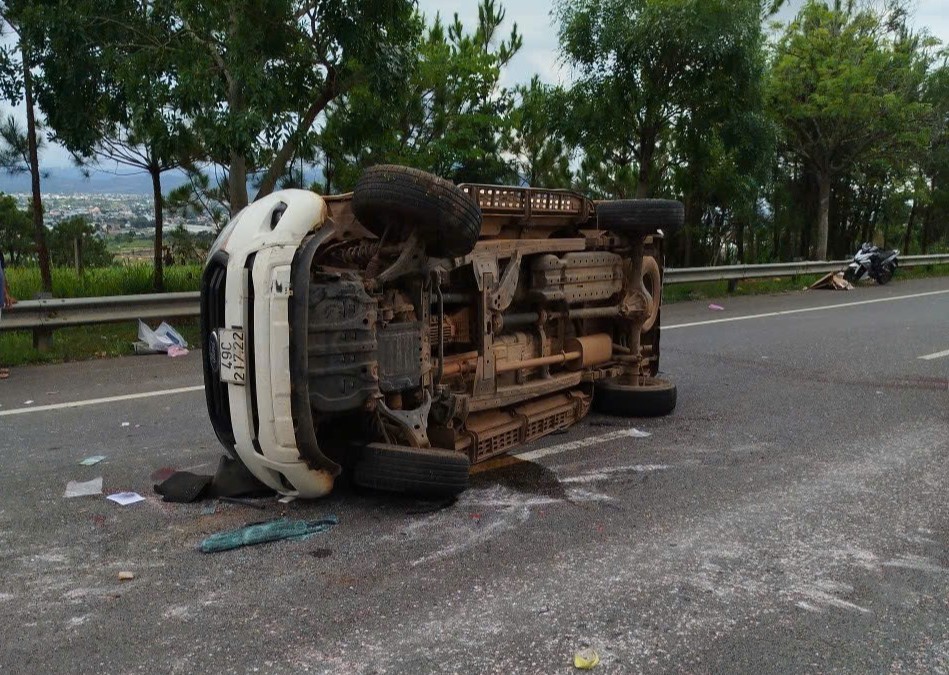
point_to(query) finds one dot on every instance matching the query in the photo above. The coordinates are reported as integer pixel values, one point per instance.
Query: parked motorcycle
(874, 262)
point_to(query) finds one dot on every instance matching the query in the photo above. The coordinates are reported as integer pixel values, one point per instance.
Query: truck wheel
(640, 216)
(448, 220)
(652, 280)
(655, 398)
(414, 471)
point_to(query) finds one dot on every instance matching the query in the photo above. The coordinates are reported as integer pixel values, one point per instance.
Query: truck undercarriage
(434, 326)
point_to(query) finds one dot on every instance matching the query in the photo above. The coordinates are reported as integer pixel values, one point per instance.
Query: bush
(62, 238)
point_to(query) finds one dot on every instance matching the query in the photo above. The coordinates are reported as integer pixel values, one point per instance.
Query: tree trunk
(740, 240)
(909, 229)
(286, 152)
(693, 223)
(159, 281)
(237, 183)
(39, 229)
(646, 157)
(924, 235)
(823, 222)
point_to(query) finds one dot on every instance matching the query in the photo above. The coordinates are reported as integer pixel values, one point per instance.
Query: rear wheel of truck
(654, 398)
(640, 216)
(396, 198)
(412, 471)
(652, 282)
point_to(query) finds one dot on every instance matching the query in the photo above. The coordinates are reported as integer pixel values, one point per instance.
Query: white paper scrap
(95, 459)
(126, 498)
(75, 488)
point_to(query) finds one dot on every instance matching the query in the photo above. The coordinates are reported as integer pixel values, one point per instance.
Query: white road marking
(937, 355)
(802, 310)
(581, 443)
(96, 401)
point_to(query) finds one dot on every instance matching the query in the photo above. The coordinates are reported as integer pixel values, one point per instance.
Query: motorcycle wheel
(885, 275)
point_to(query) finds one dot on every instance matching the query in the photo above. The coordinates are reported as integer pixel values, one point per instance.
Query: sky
(540, 53)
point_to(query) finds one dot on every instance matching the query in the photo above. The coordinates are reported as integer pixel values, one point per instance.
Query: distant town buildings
(114, 213)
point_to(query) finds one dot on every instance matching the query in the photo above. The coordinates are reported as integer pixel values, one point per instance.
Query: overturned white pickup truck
(413, 327)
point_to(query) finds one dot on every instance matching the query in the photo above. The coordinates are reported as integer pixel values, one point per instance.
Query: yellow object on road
(586, 659)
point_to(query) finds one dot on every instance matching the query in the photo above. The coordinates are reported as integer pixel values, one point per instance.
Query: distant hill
(67, 180)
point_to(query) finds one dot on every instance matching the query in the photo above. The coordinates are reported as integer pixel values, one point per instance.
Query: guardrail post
(42, 336)
(42, 339)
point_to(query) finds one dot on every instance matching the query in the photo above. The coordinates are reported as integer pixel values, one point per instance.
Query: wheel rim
(653, 284)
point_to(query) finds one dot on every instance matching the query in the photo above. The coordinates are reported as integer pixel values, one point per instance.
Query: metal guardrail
(63, 312)
(47, 315)
(685, 275)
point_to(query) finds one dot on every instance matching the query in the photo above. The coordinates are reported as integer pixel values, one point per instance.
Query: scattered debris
(287, 499)
(260, 533)
(126, 498)
(244, 502)
(125, 424)
(209, 510)
(75, 488)
(141, 348)
(161, 474)
(834, 281)
(30, 402)
(321, 553)
(184, 487)
(714, 308)
(158, 340)
(175, 351)
(125, 575)
(231, 480)
(586, 659)
(95, 459)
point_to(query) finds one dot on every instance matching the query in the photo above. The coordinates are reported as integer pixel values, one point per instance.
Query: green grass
(83, 342)
(130, 279)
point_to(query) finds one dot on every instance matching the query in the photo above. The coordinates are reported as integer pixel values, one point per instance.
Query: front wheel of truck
(655, 397)
(447, 219)
(421, 472)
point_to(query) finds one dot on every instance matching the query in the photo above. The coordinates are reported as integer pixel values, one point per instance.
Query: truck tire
(656, 398)
(640, 216)
(447, 219)
(413, 471)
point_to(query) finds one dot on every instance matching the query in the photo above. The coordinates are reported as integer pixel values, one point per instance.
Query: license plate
(231, 348)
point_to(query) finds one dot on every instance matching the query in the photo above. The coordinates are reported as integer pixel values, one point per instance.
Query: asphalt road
(790, 516)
